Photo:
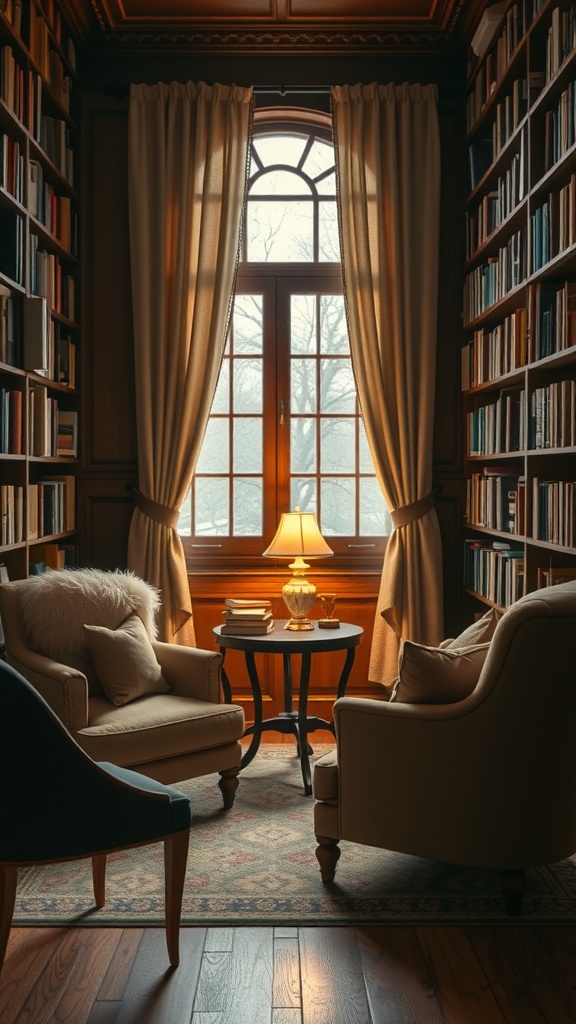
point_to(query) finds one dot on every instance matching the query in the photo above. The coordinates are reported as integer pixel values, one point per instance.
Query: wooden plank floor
(515, 974)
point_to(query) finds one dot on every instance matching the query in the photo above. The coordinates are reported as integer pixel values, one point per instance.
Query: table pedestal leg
(256, 729)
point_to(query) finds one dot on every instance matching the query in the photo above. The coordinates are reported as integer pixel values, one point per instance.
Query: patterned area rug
(255, 864)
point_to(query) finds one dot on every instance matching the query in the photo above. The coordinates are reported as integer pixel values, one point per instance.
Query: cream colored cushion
(433, 675)
(124, 661)
(480, 632)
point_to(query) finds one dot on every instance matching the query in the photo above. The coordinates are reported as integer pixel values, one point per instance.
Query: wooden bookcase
(39, 278)
(519, 353)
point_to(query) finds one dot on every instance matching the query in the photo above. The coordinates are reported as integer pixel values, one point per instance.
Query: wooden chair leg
(327, 855)
(513, 884)
(8, 883)
(228, 785)
(99, 878)
(175, 862)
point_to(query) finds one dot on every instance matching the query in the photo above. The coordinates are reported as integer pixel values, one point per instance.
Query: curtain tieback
(410, 513)
(160, 513)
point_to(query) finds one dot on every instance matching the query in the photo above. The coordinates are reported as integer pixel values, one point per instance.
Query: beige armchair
(125, 697)
(489, 781)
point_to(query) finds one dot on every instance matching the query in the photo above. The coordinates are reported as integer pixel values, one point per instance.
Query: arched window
(285, 428)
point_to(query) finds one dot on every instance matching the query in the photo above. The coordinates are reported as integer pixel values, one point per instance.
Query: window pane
(212, 514)
(247, 507)
(247, 445)
(337, 452)
(247, 321)
(303, 385)
(221, 403)
(280, 149)
(184, 527)
(375, 518)
(319, 159)
(214, 456)
(327, 186)
(303, 494)
(366, 464)
(328, 241)
(279, 183)
(338, 392)
(247, 385)
(279, 232)
(302, 445)
(337, 517)
(333, 326)
(303, 324)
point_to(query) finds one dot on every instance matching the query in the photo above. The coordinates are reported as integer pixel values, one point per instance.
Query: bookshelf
(519, 351)
(39, 276)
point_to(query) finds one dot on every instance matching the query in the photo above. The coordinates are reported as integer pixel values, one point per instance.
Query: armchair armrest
(64, 688)
(190, 672)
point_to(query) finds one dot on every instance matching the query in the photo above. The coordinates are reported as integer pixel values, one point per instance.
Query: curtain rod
(292, 90)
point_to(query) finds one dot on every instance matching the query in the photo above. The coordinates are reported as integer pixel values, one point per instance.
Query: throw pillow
(480, 632)
(124, 661)
(432, 675)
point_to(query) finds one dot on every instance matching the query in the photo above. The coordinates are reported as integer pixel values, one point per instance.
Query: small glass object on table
(328, 602)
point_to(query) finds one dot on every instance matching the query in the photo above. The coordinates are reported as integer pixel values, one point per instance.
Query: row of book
(560, 127)
(21, 91)
(51, 208)
(52, 556)
(51, 506)
(496, 499)
(496, 63)
(494, 570)
(492, 281)
(508, 115)
(12, 82)
(493, 353)
(553, 225)
(12, 167)
(50, 509)
(247, 616)
(52, 431)
(497, 204)
(554, 511)
(553, 319)
(47, 58)
(499, 424)
(552, 420)
(12, 11)
(49, 278)
(560, 39)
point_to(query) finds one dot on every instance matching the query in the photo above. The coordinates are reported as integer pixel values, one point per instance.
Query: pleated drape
(388, 169)
(188, 148)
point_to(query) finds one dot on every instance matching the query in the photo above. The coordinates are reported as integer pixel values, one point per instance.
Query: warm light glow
(298, 536)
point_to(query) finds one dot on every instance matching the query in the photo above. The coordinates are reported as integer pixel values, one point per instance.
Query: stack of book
(247, 616)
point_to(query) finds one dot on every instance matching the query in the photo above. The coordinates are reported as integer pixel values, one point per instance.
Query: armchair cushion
(124, 661)
(434, 675)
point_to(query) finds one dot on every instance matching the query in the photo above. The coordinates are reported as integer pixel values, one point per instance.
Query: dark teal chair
(56, 804)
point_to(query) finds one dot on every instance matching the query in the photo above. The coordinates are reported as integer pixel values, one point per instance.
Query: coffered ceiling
(320, 21)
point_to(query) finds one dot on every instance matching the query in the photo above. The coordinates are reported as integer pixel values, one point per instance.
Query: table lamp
(298, 536)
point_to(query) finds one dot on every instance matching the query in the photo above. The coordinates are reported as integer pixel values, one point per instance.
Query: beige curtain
(187, 165)
(388, 166)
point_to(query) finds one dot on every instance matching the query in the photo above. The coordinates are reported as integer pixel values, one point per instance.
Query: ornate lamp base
(299, 596)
